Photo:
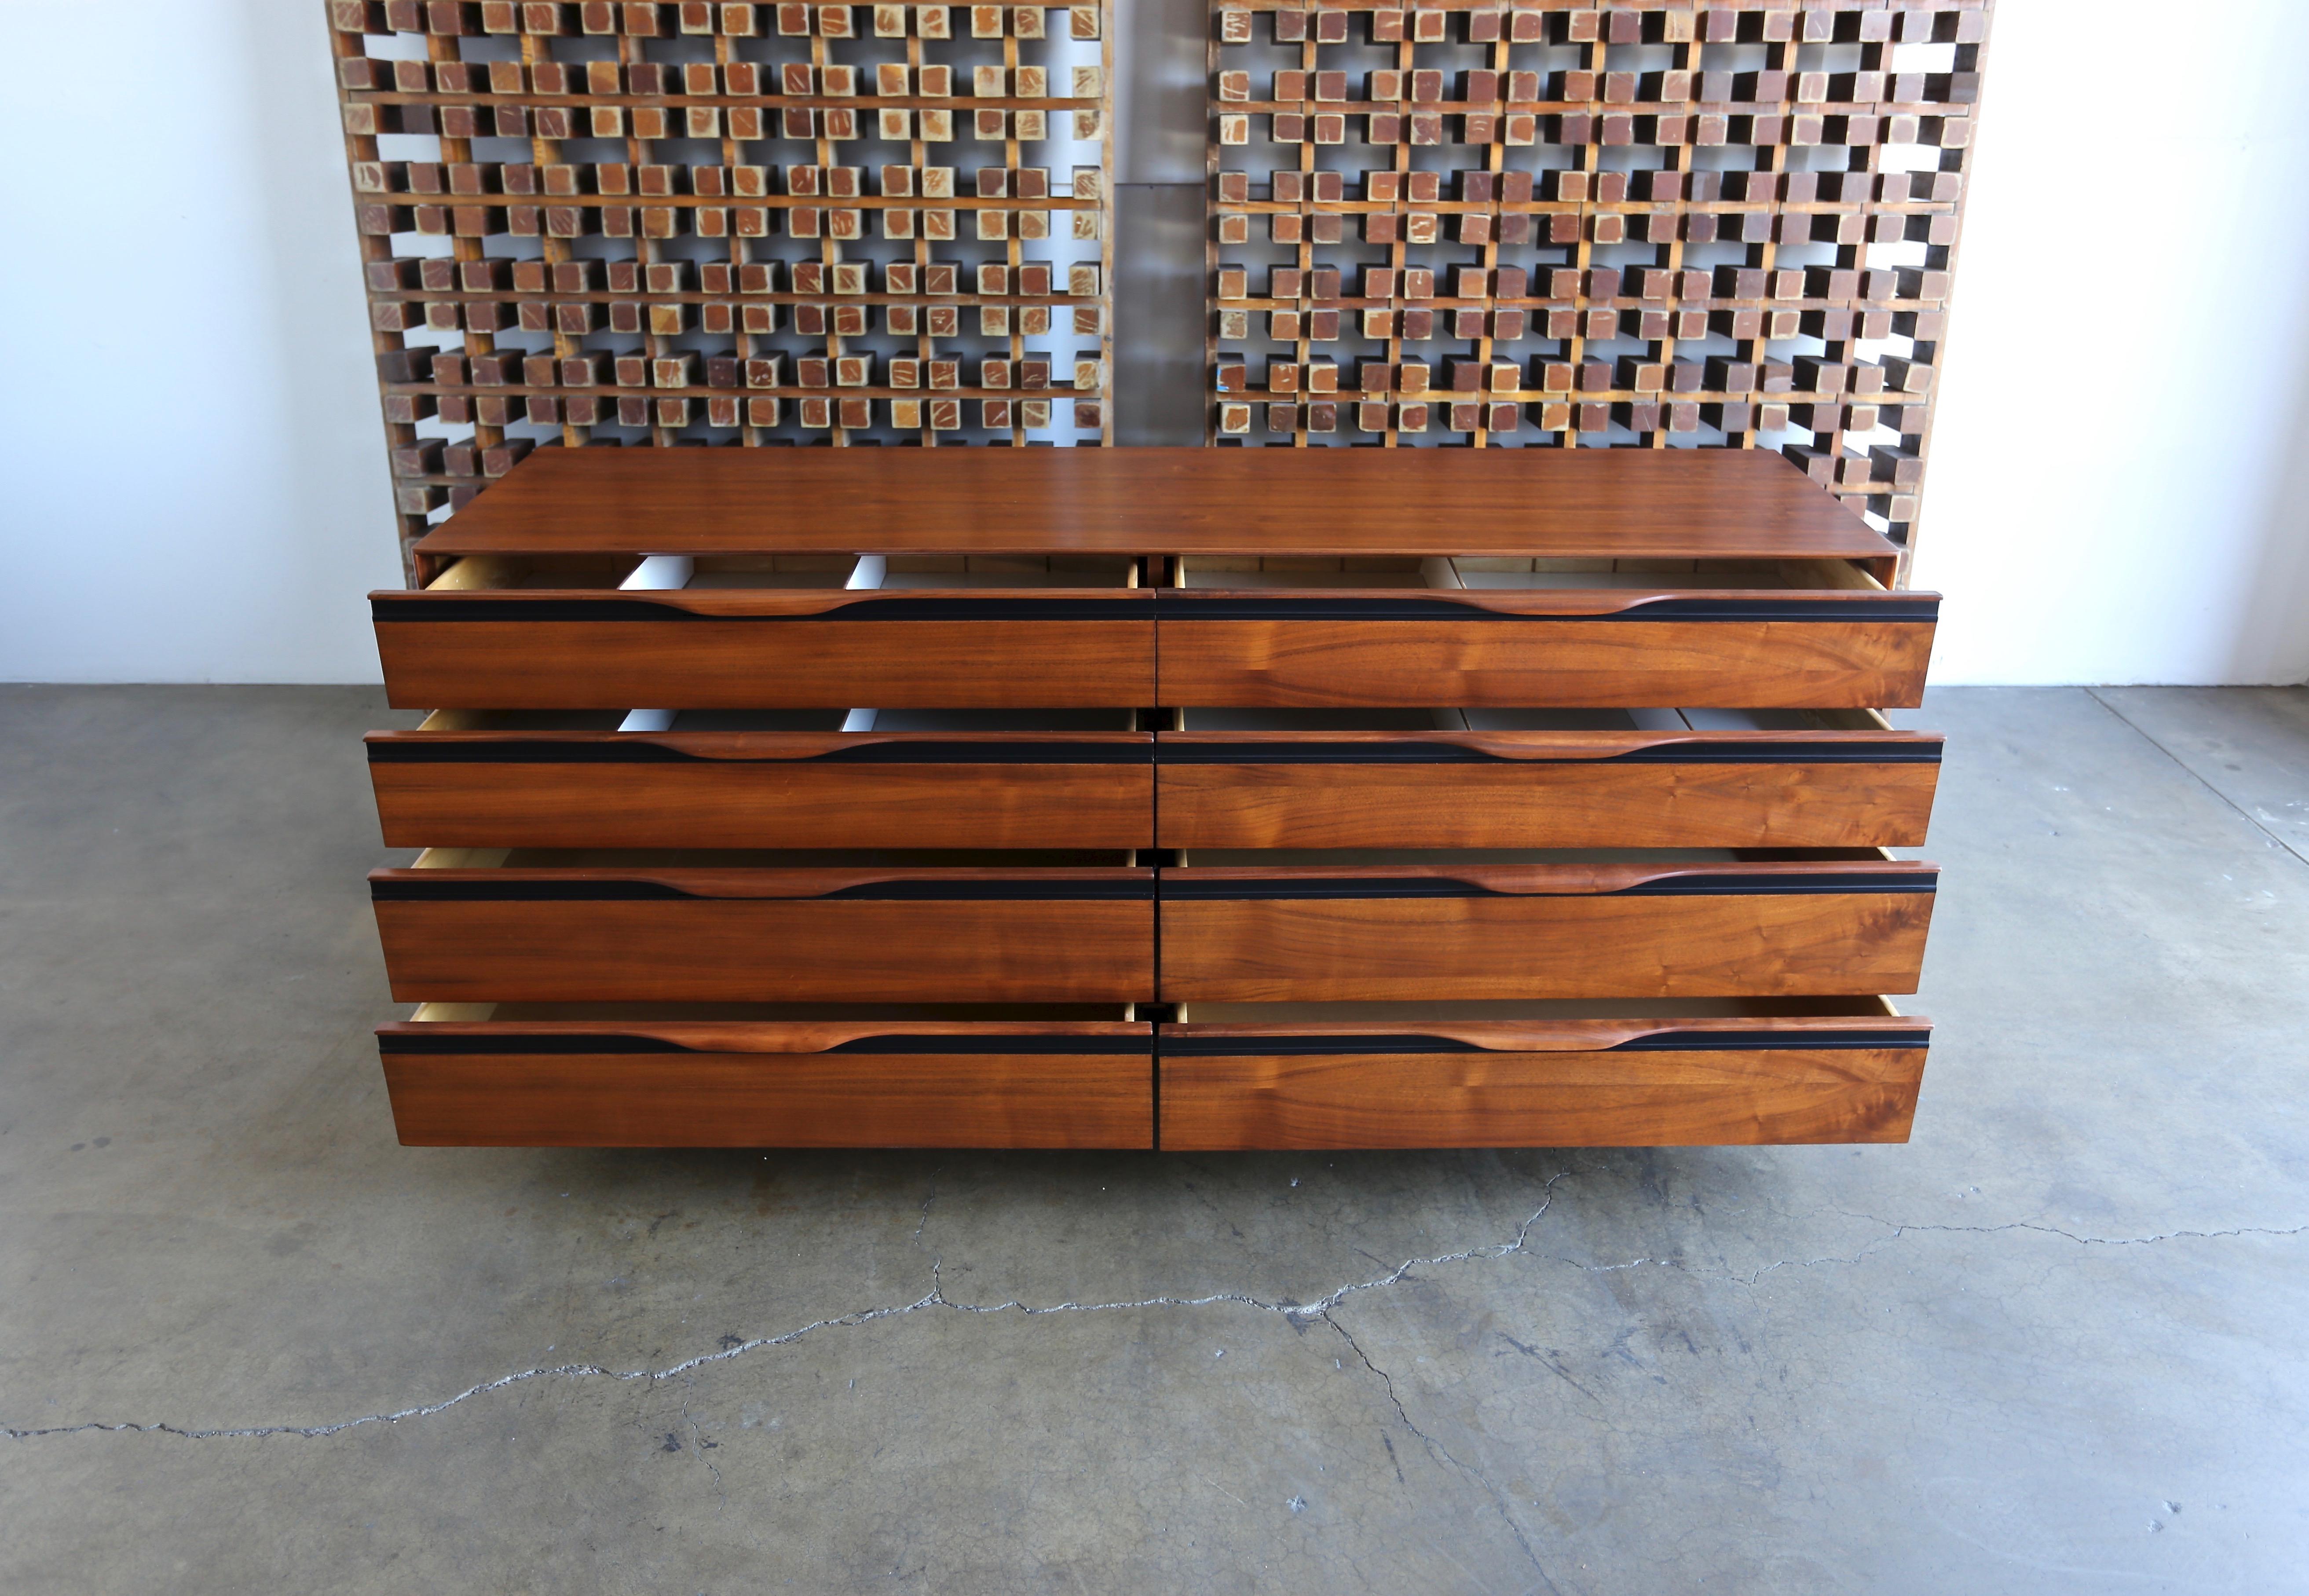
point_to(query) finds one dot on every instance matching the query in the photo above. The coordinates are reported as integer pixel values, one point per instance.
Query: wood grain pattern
(1542, 662)
(1673, 505)
(1543, 790)
(742, 651)
(773, 1085)
(763, 936)
(1715, 1097)
(1549, 931)
(762, 789)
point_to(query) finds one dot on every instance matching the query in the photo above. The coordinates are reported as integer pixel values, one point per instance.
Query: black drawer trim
(1713, 885)
(649, 891)
(1695, 752)
(1302, 1046)
(610, 1041)
(1845, 607)
(1143, 1045)
(640, 751)
(427, 608)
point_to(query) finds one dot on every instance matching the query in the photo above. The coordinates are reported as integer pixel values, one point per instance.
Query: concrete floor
(2056, 1344)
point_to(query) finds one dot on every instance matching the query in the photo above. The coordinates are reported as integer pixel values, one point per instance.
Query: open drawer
(1544, 779)
(769, 632)
(1540, 633)
(1287, 933)
(459, 1077)
(480, 778)
(1743, 1071)
(537, 929)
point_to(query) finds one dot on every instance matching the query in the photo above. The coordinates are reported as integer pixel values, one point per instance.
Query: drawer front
(763, 789)
(737, 935)
(1544, 790)
(740, 649)
(1547, 649)
(1406, 934)
(1223, 1090)
(770, 1085)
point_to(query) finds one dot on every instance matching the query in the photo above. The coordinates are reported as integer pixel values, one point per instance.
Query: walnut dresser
(1153, 798)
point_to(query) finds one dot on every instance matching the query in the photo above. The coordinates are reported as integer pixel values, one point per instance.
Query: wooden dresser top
(1664, 504)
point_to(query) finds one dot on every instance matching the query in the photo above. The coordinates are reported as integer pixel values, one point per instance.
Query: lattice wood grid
(714, 223)
(1567, 224)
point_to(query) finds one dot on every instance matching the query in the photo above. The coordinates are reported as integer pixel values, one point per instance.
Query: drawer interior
(896, 572)
(869, 1013)
(770, 858)
(1450, 858)
(1532, 1010)
(907, 571)
(1080, 858)
(785, 720)
(915, 572)
(515, 572)
(534, 720)
(1187, 719)
(1241, 571)
(1204, 719)
(1441, 571)
(908, 720)
(1346, 1013)
(1307, 720)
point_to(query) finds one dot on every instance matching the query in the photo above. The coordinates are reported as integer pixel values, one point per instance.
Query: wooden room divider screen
(701, 223)
(1562, 221)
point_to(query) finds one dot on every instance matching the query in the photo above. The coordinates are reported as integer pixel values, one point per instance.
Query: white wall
(2119, 484)
(195, 487)
(195, 468)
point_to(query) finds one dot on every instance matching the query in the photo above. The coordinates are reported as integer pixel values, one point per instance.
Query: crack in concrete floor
(1443, 1452)
(936, 1299)
(1898, 1230)
(1320, 1308)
